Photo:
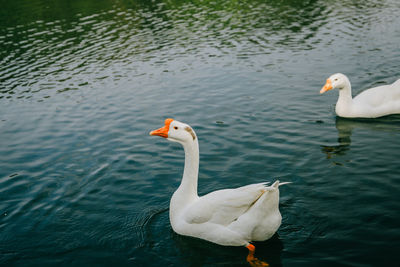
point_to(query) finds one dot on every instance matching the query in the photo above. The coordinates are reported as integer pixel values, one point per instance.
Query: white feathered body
(371, 103)
(230, 217)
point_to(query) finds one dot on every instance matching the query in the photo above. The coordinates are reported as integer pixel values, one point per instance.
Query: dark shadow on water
(197, 252)
(345, 128)
(157, 244)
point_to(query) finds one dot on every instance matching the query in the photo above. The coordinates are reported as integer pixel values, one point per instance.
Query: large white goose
(230, 217)
(372, 103)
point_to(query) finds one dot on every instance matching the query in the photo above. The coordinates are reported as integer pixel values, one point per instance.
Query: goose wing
(224, 206)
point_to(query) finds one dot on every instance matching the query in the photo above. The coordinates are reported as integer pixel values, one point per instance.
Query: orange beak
(163, 131)
(327, 86)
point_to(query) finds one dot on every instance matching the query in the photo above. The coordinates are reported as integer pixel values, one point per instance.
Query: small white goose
(230, 217)
(372, 103)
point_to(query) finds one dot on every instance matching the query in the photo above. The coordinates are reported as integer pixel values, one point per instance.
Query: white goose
(230, 217)
(372, 103)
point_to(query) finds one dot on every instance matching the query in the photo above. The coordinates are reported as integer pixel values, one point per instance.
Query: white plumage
(230, 217)
(372, 103)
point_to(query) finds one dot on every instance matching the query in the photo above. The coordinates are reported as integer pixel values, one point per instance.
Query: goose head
(176, 131)
(337, 80)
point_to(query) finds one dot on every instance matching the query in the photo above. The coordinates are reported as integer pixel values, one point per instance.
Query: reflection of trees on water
(224, 22)
(345, 129)
(60, 39)
(73, 40)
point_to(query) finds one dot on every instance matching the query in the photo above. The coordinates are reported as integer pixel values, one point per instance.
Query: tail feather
(275, 185)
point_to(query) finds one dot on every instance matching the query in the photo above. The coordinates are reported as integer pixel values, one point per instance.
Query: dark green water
(83, 82)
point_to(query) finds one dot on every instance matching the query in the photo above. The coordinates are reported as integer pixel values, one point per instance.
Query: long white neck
(188, 185)
(345, 101)
(187, 191)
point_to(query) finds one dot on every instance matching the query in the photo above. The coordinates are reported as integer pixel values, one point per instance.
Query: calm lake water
(83, 82)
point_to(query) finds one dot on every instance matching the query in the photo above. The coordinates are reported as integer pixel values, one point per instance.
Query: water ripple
(82, 83)
(83, 51)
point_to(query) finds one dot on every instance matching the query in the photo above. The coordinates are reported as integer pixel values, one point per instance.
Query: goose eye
(336, 80)
(175, 127)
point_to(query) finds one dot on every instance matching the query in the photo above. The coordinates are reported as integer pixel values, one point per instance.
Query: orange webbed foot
(253, 261)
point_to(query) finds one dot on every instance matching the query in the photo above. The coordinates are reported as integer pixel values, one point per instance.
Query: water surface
(83, 82)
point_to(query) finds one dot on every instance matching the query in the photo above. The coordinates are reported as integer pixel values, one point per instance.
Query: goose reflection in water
(346, 126)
